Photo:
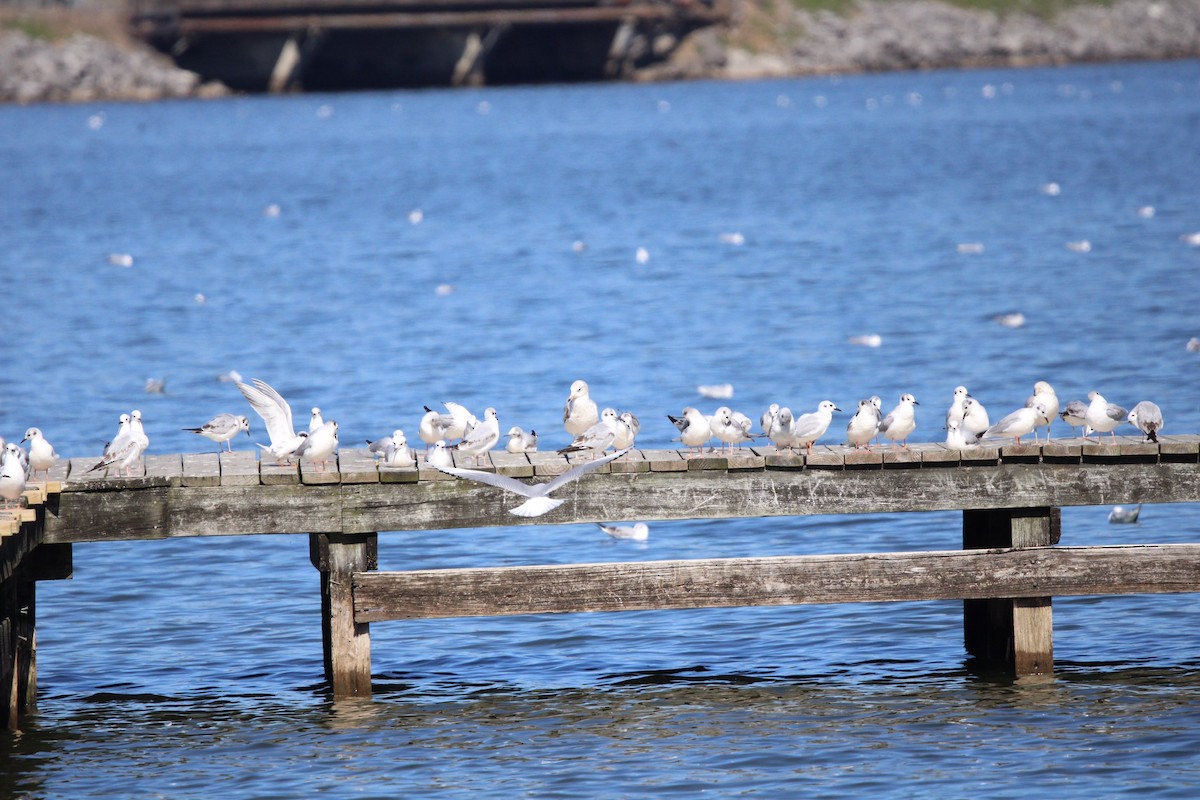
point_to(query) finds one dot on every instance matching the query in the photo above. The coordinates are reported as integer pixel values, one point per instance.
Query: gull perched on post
(900, 421)
(12, 475)
(481, 438)
(1021, 422)
(580, 412)
(694, 428)
(1103, 416)
(539, 501)
(598, 437)
(221, 429)
(1043, 394)
(41, 453)
(812, 426)
(521, 442)
(864, 425)
(1146, 417)
(277, 415)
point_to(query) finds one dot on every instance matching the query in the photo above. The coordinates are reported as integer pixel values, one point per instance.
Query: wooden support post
(347, 644)
(1014, 634)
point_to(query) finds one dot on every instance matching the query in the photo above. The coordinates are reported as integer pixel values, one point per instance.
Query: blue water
(191, 667)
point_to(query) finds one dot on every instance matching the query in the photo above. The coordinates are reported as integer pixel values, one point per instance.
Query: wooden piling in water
(345, 641)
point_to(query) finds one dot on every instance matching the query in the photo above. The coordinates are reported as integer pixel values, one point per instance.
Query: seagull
(1124, 516)
(901, 421)
(394, 449)
(521, 442)
(453, 424)
(116, 445)
(41, 453)
(315, 420)
(598, 437)
(730, 429)
(580, 412)
(627, 430)
(638, 532)
(439, 456)
(954, 436)
(1019, 423)
(319, 445)
(1146, 417)
(975, 419)
(222, 428)
(481, 438)
(955, 411)
(863, 425)
(1075, 415)
(768, 418)
(694, 428)
(812, 426)
(277, 415)
(138, 433)
(1103, 416)
(1043, 393)
(12, 475)
(539, 501)
(780, 433)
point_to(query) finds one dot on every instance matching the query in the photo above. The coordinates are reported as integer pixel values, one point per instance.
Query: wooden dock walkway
(1006, 574)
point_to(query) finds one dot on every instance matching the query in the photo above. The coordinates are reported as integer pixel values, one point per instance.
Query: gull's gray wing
(499, 481)
(579, 471)
(1115, 412)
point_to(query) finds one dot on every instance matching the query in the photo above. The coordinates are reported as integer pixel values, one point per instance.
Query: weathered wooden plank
(201, 469)
(901, 457)
(665, 460)
(169, 466)
(482, 462)
(346, 641)
(271, 473)
(1023, 453)
(633, 461)
(708, 494)
(163, 512)
(548, 463)
(939, 455)
(358, 466)
(1063, 450)
(320, 474)
(714, 460)
(82, 478)
(583, 457)
(864, 458)
(745, 458)
(784, 580)
(60, 471)
(1179, 448)
(825, 457)
(980, 455)
(239, 468)
(514, 465)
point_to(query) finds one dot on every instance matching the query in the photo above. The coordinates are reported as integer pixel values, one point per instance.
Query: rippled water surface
(192, 667)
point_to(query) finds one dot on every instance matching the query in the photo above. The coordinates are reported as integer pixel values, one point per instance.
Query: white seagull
(781, 430)
(116, 445)
(539, 502)
(277, 415)
(638, 532)
(222, 428)
(974, 419)
(41, 453)
(1145, 416)
(319, 445)
(315, 420)
(627, 430)
(900, 421)
(12, 475)
(1043, 393)
(598, 437)
(812, 426)
(1019, 423)
(863, 426)
(694, 428)
(439, 456)
(1103, 416)
(521, 442)
(1075, 415)
(730, 427)
(482, 437)
(580, 412)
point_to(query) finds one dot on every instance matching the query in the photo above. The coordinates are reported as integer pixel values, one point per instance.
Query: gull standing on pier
(812, 426)
(974, 420)
(598, 437)
(453, 424)
(1075, 415)
(315, 420)
(115, 446)
(12, 475)
(1103, 416)
(1043, 394)
(768, 419)
(439, 456)
(277, 415)
(319, 445)
(1146, 417)
(954, 436)
(864, 425)
(781, 430)
(539, 502)
(394, 449)
(627, 430)
(580, 412)
(730, 427)
(521, 442)
(481, 438)
(694, 429)
(1021, 422)
(41, 453)
(221, 429)
(955, 411)
(900, 421)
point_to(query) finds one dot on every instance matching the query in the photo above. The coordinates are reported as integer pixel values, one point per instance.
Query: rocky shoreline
(762, 40)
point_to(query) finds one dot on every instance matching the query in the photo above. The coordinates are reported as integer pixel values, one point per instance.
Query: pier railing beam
(1012, 634)
(346, 644)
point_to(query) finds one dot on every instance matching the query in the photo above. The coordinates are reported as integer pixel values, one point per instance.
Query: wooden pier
(1006, 573)
(285, 45)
